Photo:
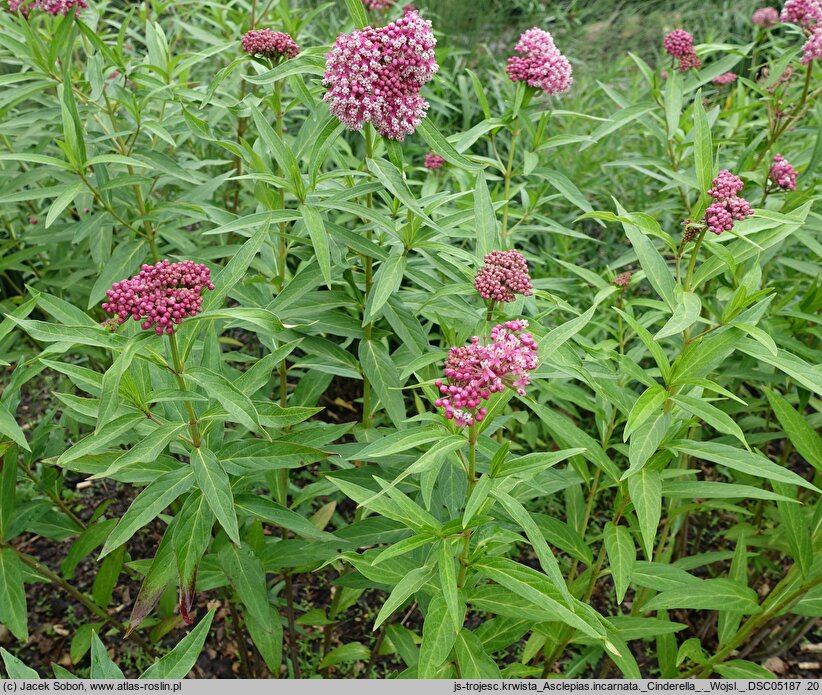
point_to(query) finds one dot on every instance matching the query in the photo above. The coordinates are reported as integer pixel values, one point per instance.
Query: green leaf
(438, 638)
(566, 187)
(478, 496)
(703, 154)
(148, 504)
(10, 428)
(705, 489)
(159, 575)
(180, 660)
(123, 262)
(485, 218)
(384, 378)
(8, 488)
(102, 667)
(437, 142)
(796, 527)
(716, 418)
(652, 262)
(647, 404)
(686, 312)
(313, 220)
(387, 281)
(645, 490)
(739, 668)
(621, 556)
(238, 406)
(645, 441)
(673, 102)
(213, 481)
(473, 660)
(280, 152)
(357, 13)
(708, 595)
(62, 201)
(561, 334)
(804, 438)
(391, 177)
(408, 585)
(13, 595)
(277, 515)
(810, 376)
(190, 537)
(448, 583)
(751, 463)
(146, 451)
(245, 572)
(345, 653)
(16, 668)
(619, 119)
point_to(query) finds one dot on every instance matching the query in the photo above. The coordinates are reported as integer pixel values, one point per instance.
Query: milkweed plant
(334, 348)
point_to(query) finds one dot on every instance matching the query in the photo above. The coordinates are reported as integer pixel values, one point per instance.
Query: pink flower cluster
(160, 295)
(724, 78)
(476, 371)
(623, 279)
(539, 63)
(376, 75)
(504, 275)
(433, 161)
(812, 50)
(52, 7)
(274, 45)
(802, 12)
(782, 173)
(727, 206)
(377, 4)
(679, 44)
(765, 17)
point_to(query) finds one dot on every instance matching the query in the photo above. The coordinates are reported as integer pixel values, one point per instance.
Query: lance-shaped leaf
(213, 481)
(180, 660)
(13, 595)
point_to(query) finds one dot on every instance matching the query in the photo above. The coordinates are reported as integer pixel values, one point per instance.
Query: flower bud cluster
(504, 275)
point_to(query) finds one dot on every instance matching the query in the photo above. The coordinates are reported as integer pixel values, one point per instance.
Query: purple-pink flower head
(689, 61)
(727, 206)
(678, 43)
(724, 78)
(623, 279)
(160, 295)
(377, 4)
(433, 161)
(274, 45)
(52, 7)
(812, 50)
(375, 75)
(504, 275)
(478, 370)
(782, 173)
(539, 63)
(802, 12)
(765, 17)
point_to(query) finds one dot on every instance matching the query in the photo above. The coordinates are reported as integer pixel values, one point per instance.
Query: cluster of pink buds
(802, 12)
(375, 75)
(724, 78)
(727, 206)
(433, 161)
(782, 173)
(540, 63)
(623, 279)
(377, 4)
(52, 7)
(765, 17)
(812, 50)
(160, 295)
(504, 275)
(476, 371)
(274, 45)
(679, 44)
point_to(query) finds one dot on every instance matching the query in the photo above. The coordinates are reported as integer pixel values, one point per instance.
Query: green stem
(692, 262)
(473, 434)
(368, 269)
(509, 171)
(179, 370)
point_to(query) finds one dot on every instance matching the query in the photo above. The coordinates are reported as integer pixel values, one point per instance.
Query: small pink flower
(725, 185)
(689, 61)
(478, 370)
(52, 7)
(727, 206)
(274, 45)
(678, 43)
(725, 78)
(160, 295)
(375, 75)
(33, 221)
(504, 275)
(433, 161)
(377, 4)
(539, 63)
(765, 17)
(812, 50)
(782, 173)
(802, 12)
(623, 279)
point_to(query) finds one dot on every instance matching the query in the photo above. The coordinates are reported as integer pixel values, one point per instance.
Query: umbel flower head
(539, 63)
(724, 78)
(678, 43)
(812, 50)
(689, 61)
(765, 17)
(802, 12)
(504, 275)
(52, 7)
(375, 75)
(433, 161)
(477, 370)
(274, 45)
(160, 295)
(727, 206)
(782, 173)
(623, 279)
